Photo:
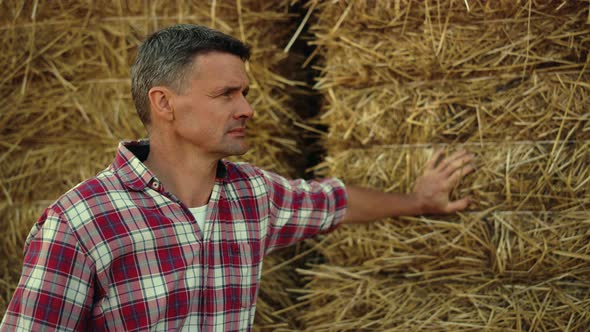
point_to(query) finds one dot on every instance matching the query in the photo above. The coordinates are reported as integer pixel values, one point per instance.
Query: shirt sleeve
(55, 290)
(300, 209)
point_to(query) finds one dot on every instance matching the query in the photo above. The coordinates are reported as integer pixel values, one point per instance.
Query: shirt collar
(129, 167)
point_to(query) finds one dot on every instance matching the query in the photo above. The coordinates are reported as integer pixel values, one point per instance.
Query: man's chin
(238, 151)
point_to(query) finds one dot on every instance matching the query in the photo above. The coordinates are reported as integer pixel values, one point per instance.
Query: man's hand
(433, 187)
(430, 196)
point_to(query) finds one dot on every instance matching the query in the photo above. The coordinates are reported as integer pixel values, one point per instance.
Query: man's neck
(188, 175)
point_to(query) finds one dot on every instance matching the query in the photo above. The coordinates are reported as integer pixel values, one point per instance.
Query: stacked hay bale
(508, 80)
(67, 103)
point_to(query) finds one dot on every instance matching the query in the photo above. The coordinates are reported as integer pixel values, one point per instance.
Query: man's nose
(244, 109)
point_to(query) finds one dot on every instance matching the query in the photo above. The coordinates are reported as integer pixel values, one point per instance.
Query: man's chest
(156, 258)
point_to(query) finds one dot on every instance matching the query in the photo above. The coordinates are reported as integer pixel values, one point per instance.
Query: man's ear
(160, 102)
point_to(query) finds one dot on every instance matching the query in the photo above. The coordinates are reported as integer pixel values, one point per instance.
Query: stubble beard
(236, 148)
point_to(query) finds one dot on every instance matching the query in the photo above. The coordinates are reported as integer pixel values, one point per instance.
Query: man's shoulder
(81, 205)
(78, 203)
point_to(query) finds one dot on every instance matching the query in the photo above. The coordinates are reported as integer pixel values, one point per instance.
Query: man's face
(211, 113)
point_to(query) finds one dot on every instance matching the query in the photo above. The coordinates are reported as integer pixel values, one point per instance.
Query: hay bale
(455, 110)
(525, 246)
(504, 79)
(438, 72)
(358, 299)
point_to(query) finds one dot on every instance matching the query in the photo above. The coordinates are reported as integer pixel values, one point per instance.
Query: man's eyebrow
(229, 88)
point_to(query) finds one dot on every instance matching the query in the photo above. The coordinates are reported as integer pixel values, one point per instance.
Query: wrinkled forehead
(219, 66)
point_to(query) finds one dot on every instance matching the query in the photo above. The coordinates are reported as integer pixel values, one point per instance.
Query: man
(171, 236)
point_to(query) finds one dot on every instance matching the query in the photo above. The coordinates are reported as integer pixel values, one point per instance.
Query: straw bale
(541, 246)
(52, 140)
(377, 42)
(439, 73)
(508, 81)
(519, 246)
(542, 106)
(276, 308)
(421, 248)
(357, 299)
(505, 244)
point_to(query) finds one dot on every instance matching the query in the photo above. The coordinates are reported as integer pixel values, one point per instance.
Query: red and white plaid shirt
(120, 253)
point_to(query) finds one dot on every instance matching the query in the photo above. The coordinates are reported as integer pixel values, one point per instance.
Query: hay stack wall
(66, 104)
(508, 80)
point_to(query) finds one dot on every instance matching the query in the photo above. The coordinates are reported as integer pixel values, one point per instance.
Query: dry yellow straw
(504, 80)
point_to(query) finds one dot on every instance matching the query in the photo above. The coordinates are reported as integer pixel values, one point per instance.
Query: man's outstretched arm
(430, 195)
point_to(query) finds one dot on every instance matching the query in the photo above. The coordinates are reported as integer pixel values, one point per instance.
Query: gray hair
(164, 57)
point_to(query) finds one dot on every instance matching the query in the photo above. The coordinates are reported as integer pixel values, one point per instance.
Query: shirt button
(156, 185)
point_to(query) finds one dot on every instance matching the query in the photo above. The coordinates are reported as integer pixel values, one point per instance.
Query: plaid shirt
(118, 252)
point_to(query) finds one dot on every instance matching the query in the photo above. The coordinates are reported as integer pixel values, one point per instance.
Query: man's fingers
(460, 173)
(458, 205)
(458, 163)
(435, 157)
(444, 164)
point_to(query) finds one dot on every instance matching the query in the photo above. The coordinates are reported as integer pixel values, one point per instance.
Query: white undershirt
(200, 213)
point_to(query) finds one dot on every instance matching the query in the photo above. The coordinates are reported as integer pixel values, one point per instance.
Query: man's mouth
(241, 131)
